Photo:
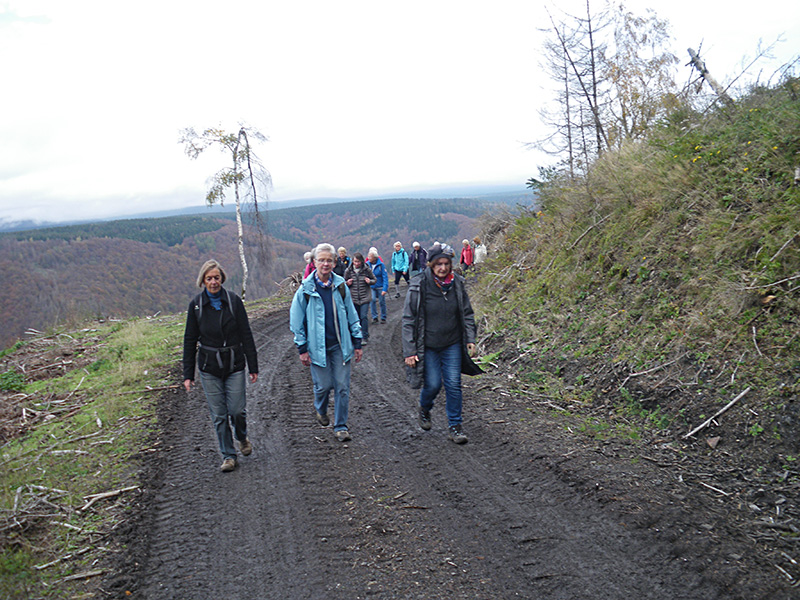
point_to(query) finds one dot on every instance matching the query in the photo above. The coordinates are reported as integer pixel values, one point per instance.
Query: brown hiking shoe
(457, 434)
(343, 435)
(323, 419)
(228, 465)
(245, 447)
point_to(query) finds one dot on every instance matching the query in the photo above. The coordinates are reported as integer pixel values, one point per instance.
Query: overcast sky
(357, 97)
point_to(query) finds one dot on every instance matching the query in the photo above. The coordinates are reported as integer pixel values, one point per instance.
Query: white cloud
(356, 96)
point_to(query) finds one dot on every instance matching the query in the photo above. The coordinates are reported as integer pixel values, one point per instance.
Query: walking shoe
(343, 435)
(228, 465)
(457, 434)
(425, 419)
(383, 321)
(323, 419)
(375, 320)
(245, 447)
(397, 295)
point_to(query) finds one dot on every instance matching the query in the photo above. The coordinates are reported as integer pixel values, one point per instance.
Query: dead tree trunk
(700, 65)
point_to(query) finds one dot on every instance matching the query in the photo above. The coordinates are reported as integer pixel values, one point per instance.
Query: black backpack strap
(198, 306)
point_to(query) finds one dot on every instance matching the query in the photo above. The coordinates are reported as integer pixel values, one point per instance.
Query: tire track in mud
(395, 513)
(534, 535)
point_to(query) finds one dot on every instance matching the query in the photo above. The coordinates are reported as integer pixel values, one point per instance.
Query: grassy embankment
(84, 418)
(665, 282)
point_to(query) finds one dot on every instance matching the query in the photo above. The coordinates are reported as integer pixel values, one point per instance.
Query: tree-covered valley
(139, 267)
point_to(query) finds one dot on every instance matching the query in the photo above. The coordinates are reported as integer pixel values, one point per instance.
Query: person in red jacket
(467, 257)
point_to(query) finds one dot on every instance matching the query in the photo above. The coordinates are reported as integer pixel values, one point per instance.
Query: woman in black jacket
(360, 277)
(438, 338)
(217, 321)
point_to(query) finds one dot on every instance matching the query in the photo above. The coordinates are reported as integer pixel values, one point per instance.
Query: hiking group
(330, 316)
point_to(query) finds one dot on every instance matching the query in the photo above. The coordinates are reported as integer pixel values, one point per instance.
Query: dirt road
(399, 512)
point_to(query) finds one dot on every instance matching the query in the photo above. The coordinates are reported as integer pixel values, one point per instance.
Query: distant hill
(505, 194)
(135, 267)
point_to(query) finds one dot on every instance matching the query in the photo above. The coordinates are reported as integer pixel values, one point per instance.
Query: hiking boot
(323, 419)
(245, 447)
(343, 435)
(457, 434)
(375, 320)
(397, 295)
(228, 465)
(383, 321)
(425, 419)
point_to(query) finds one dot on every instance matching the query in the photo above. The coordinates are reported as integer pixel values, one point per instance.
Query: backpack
(216, 352)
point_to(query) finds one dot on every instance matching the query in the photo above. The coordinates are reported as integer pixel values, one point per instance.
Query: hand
(349, 281)
(305, 359)
(367, 280)
(187, 383)
(384, 293)
(411, 361)
(253, 377)
(471, 349)
(358, 352)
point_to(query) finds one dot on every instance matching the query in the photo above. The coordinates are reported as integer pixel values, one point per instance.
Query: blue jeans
(335, 376)
(226, 400)
(377, 296)
(363, 314)
(443, 366)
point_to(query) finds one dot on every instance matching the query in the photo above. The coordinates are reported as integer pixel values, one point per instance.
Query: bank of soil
(526, 509)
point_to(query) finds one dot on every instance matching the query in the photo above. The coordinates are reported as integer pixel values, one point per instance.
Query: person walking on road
(480, 252)
(467, 257)
(309, 264)
(327, 334)
(438, 338)
(342, 261)
(359, 278)
(381, 286)
(217, 322)
(418, 259)
(399, 266)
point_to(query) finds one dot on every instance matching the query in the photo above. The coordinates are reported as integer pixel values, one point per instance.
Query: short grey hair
(207, 266)
(323, 248)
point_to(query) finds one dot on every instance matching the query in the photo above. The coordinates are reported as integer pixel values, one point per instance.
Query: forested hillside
(140, 267)
(359, 225)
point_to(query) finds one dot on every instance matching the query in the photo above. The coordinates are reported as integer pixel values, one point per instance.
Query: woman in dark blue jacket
(218, 324)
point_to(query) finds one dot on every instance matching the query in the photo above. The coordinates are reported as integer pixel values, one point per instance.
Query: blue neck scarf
(216, 299)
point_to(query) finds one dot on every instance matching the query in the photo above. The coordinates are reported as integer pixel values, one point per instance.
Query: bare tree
(581, 61)
(613, 79)
(246, 175)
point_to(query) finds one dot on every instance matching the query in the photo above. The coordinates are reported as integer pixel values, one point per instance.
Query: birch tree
(245, 175)
(639, 73)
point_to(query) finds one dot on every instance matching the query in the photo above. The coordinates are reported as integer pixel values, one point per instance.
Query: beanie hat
(437, 251)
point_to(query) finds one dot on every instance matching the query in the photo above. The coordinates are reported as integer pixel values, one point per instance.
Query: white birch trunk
(241, 241)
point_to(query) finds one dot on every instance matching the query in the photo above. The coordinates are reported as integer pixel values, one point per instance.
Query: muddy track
(395, 513)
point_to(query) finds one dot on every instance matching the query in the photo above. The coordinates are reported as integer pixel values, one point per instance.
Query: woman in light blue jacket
(327, 333)
(399, 266)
